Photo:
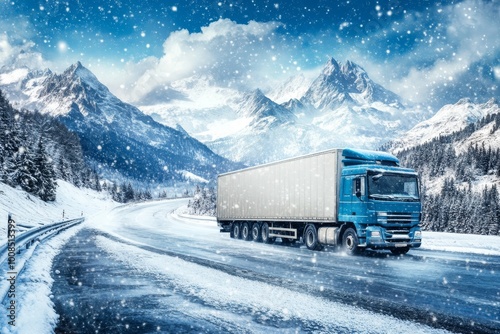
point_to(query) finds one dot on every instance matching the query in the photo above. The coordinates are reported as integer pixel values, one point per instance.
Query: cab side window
(358, 186)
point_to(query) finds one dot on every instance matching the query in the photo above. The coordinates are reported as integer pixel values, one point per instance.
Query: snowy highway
(141, 268)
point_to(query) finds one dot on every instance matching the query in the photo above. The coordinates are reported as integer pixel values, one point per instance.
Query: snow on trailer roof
(369, 156)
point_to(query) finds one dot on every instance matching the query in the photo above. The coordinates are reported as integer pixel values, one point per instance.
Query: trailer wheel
(231, 230)
(236, 231)
(245, 231)
(256, 236)
(350, 242)
(264, 232)
(311, 238)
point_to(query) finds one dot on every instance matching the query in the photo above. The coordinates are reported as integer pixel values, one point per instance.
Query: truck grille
(396, 217)
(397, 225)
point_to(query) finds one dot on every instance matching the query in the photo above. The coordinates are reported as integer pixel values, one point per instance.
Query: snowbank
(182, 214)
(36, 313)
(462, 243)
(28, 210)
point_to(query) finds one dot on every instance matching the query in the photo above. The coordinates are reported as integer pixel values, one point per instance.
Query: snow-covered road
(141, 268)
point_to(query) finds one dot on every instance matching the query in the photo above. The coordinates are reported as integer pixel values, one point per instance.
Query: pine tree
(26, 173)
(116, 193)
(129, 194)
(45, 175)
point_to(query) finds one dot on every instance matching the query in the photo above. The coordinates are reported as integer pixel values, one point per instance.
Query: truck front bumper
(379, 238)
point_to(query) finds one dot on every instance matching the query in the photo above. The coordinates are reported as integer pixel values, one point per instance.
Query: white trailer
(302, 189)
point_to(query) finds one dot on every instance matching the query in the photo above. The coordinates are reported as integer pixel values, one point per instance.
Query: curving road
(143, 269)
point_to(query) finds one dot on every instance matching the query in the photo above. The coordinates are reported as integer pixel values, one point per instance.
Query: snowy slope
(293, 88)
(29, 211)
(203, 109)
(449, 119)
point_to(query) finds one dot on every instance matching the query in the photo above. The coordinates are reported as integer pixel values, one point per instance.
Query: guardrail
(14, 246)
(28, 237)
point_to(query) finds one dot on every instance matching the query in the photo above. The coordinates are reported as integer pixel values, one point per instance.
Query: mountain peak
(257, 93)
(256, 104)
(346, 83)
(82, 74)
(79, 70)
(464, 100)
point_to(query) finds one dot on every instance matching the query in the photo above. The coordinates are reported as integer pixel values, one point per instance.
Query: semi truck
(350, 198)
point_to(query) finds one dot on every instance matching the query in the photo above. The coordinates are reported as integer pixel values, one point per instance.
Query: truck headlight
(375, 234)
(418, 235)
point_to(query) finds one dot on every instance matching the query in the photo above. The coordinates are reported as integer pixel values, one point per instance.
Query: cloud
(16, 46)
(15, 56)
(450, 44)
(243, 55)
(6, 50)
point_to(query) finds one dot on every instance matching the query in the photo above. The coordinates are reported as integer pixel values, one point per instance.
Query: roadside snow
(28, 210)
(462, 243)
(36, 312)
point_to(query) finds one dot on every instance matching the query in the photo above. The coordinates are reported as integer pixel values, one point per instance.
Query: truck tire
(311, 238)
(400, 251)
(236, 231)
(231, 231)
(256, 235)
(264, 233)
(350, 242)
(246, 234)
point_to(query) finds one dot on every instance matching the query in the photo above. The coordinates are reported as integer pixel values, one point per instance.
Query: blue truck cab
(379, 202)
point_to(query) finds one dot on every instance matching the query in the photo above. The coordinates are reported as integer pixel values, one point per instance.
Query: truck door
(353, 194)
(345, 199)
(358, 197)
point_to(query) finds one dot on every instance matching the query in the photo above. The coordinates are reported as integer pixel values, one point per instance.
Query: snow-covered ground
(36, 312)
(28, 210)
(33, 295)
(462, 243)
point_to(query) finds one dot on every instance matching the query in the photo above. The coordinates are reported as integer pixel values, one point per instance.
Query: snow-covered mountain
(449, 119)
(349, 83)
(457, 154)
(341, 107)
(115, 136)
(292, 89)
(263, 112)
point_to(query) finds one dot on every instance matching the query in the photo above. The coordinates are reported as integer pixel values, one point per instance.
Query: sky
(429, 52)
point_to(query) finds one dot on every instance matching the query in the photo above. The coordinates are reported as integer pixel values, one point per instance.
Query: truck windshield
(392, 187)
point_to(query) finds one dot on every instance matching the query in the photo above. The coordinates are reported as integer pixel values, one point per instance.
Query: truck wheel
(311, 238)
(350, 242)
(236, 231)
(256, 236)
(400, 251)
(245, 231)
(264, 232)
(231, 230)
